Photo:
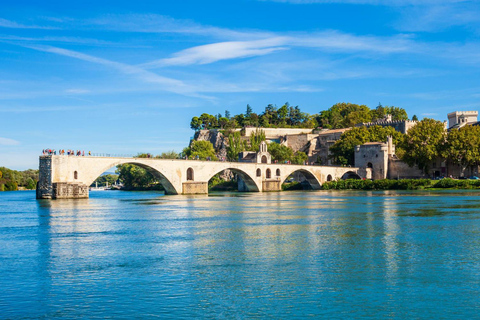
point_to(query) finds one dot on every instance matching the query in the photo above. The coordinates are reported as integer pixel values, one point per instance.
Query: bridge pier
(271, 185)
(196, 187)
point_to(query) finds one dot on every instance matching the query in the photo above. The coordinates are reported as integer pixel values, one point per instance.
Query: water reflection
(277, 255)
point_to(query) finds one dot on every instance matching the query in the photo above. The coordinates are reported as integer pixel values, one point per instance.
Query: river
(324, 254)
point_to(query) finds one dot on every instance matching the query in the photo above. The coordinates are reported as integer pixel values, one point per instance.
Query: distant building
(399, 125)
(381, 159)
(262, 156)
(459, 119)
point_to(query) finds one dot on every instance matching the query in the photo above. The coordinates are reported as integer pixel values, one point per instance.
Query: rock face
(216, 138)
(220, 143)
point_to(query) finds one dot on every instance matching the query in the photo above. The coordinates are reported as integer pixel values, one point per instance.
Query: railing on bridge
(115, 155)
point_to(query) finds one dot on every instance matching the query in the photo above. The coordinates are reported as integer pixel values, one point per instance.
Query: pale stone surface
(172, 173)
(195, 187)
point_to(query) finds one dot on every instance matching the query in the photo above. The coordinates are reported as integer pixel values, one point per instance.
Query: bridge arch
(350, 175)
(309, 177)
(160, 176)
(249, 182)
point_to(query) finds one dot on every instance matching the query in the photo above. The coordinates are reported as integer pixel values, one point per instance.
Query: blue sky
(124, 77)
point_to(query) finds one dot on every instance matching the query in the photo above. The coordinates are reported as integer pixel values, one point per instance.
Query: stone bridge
(63, 176)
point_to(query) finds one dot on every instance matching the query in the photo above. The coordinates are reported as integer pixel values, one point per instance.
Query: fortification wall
(276, 133)
(397, 169)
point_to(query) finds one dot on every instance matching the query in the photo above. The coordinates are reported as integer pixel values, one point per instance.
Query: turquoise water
(332, 255)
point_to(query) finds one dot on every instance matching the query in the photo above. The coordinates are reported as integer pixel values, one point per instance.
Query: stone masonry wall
(44, 185)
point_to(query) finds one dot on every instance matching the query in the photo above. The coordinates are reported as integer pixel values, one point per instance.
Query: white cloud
(14, 25)
(221, 51)
(153, 23)
(8, 142)
(167, 84)
(327, 40)
(77, 91)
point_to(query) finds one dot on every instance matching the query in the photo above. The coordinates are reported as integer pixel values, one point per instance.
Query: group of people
(62, 152)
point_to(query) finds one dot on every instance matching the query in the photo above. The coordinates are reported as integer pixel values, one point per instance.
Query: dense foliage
(12, 180)
(343, 151)
(105, 179)
(462, 146)
(345, 115)
(340, 115)
(135, 177)
(284, 117)
(384, 184)
(424, 143)
(201, 150)
(402, 184)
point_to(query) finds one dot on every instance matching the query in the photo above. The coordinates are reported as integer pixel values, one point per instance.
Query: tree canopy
(462, 146)
(202, 150)
(345, 115)
(11, 180)
(424, 143)
(343, 151)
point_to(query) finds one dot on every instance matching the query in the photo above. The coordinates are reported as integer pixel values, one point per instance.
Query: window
(329, 177)
(189, 174)
(264, 159)
(278, 172)
(269, 174)
(259, 173)
(75, 175)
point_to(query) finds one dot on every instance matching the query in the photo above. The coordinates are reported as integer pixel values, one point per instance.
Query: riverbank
(402, 184)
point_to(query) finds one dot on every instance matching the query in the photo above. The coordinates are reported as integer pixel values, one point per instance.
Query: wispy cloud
(221, 51)
(166, 83)
(154, 23)
(77, 91)
(8, 142)
(14, 25)
(328, 40)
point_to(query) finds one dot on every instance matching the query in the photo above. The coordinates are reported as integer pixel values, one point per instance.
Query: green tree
(343, 115)
(227, 114)
(1, 174)
(195, 124)
(133, 176)
(223, 122)
(248, 112)
(299, 157)
(168, 155)
(414, 118)
(235, 146)
(423, 143)
(31, 184)
(200, 149)
(282, 114)
(463, 146)
(343, 151)
(280, 152)
(397, 113)
(256, 138)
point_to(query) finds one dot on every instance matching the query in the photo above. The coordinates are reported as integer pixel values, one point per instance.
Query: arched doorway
(278, 172)
(75, 175)
(268, 174)
(259, 173)
(329, 177)
(264, 159)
